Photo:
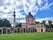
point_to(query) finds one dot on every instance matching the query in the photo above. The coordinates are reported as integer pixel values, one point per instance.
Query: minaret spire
(14, 19)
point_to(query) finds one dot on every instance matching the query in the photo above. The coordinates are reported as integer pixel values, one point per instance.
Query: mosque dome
(29, 15)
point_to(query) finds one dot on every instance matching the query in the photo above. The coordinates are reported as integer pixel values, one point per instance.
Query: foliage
(1, 23)
(43, 22)
(37, 22)
(50, 24)
(50, 21)
(18, 24)
(4, 22)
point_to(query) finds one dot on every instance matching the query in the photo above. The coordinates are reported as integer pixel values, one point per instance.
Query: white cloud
(32, 6)
(46, 19)
(21, 21)
(28, 5)
(39, 2)
(47, 6)
(6, 1)
(19, 15)
(1, 8)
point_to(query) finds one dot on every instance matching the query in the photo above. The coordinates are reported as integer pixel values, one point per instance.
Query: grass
(27, 36)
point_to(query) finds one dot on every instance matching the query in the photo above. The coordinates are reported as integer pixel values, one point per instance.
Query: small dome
(29, 15)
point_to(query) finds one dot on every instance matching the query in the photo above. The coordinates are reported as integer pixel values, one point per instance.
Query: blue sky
(45, 13)
(40, 9)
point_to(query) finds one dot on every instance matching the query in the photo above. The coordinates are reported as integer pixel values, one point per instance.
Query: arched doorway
(8, 31)
(4, 30)
(28, 30)
(24, 30)
(18, 30)
(33, 30)
(41, 30)
(0, 31)
(12, 30)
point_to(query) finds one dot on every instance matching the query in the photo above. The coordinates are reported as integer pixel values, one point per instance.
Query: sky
(40, 9)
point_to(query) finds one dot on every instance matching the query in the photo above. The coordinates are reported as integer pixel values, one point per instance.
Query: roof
(29, 15)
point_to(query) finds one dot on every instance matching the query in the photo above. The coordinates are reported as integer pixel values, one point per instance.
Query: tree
(37, 22)
(4, 22)
(18, 24)
(1, 23)
(50, 23)
(43, 22)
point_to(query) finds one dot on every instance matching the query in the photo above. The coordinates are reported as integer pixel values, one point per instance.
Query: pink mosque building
(30, 23)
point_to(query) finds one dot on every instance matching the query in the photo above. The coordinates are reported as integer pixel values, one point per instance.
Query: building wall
(38, 27)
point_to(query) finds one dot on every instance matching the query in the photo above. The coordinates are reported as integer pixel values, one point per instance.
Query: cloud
(1, 8)
(46, 6)
(39, 2)
(33, 6)
(46, 19)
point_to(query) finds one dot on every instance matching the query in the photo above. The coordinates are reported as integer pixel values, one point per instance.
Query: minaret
(14, 19)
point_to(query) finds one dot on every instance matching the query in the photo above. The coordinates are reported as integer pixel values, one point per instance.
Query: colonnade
(17, 30)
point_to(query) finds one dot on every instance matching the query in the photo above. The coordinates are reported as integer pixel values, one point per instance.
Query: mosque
(28, 27)
(30, 24)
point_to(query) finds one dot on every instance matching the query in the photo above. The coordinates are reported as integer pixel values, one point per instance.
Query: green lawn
(27, 36)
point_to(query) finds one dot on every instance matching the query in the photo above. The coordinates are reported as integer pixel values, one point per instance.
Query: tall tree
(1, 23)
(43, 22)
(37, 22)
(4, 22)
(50, 23)
(18, 24)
